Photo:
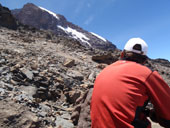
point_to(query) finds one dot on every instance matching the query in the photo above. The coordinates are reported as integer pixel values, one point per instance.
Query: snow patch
(99, 36)
(75, 34)
(52, 13)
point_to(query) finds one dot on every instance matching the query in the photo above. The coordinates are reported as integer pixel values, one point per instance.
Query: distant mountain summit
(42, 18)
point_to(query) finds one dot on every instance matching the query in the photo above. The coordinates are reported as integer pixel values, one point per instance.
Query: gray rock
(3, 70)
(2, 84)
(23, 98)
(92, 76)
(44, 107)
(9, 87)
(28, 73)
(42, 114)
(75, 74)
(63, 123)
(2, 91)
(8, 77)
(29, 90)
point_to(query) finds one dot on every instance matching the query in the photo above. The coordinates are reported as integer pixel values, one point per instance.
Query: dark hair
(131, 56)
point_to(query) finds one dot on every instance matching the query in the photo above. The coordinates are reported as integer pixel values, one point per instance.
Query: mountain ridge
(42, 18)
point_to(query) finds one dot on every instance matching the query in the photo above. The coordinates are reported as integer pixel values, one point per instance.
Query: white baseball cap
(137, 45)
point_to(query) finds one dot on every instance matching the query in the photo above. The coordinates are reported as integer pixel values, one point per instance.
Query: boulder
(106, 58)
(69, 63)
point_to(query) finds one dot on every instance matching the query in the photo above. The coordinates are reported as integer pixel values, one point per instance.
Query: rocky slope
(45, 77)
(42, 18)
(46, 80)
(46, 83)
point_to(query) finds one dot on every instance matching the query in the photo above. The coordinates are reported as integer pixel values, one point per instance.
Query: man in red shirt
(123, 89)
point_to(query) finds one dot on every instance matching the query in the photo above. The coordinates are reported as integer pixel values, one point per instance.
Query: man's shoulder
(134, 66)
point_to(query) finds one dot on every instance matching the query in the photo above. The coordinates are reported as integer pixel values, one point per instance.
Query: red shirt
(121, 90)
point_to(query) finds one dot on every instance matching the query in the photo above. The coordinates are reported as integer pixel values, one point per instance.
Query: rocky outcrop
(106, 58)
(6, 18)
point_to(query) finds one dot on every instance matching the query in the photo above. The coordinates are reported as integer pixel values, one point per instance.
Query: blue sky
(115, 20)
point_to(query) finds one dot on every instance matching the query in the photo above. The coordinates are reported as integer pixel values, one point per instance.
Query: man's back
(119, 94)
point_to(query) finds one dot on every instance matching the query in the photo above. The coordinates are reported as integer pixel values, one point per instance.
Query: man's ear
(122, 55)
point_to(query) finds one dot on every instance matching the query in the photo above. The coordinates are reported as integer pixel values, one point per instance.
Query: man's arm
(156, 118)
(159, 94)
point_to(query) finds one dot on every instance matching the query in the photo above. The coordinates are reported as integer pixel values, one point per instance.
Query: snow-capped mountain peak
(75, 34)
(52, 13)
(41, 18)
(98, 36)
